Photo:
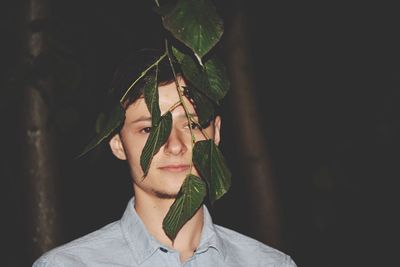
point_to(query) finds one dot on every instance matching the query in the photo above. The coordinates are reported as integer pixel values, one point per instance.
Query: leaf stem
(174, 106)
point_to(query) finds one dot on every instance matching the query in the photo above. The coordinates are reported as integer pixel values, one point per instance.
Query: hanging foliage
(196, 25)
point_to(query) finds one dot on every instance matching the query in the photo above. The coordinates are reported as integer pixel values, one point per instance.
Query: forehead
(168, 97)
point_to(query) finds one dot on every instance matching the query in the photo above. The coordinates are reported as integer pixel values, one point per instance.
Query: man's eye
(195, 126)
(146, 130)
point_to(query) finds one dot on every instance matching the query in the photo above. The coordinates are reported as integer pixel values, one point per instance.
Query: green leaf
(151, 98)
(104, 129)
(217, 77)
(158, 136)
(189, 200)
(211, 165)
(196, 24)
(212, 80)
(202, 104)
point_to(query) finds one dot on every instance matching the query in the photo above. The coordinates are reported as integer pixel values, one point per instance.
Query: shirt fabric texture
(127, 243)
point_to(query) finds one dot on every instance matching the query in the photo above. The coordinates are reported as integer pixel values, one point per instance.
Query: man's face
(172, 163)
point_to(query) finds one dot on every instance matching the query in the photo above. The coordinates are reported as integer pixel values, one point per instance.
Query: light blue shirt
(127, 243)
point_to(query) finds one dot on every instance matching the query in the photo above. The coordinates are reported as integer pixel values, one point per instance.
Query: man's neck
(152, 211)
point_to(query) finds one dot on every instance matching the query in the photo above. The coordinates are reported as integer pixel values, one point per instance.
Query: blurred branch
(37, 154)
(265, 214)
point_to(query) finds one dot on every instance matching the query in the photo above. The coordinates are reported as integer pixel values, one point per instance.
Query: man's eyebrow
(141, 119)
(148, 118)
(192, 115)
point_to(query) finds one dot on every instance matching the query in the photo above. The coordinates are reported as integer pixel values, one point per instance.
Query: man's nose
(176, 143)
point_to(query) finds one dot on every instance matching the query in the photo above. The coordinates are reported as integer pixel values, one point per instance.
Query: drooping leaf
(217, 77)
(202, 104)
(101, 121)
(211, 165)
(190, 198)
(158, 136)
(212, 80)
(151, 98)
(114, 120)
(196, 24)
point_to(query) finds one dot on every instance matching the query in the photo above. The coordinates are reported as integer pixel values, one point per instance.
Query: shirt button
(163, 249)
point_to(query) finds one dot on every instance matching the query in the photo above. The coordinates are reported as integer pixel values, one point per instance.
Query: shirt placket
(172, 257)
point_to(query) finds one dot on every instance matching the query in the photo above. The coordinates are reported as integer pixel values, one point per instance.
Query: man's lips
(175, 167)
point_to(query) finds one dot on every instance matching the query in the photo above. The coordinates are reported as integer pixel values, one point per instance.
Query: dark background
(327, 81)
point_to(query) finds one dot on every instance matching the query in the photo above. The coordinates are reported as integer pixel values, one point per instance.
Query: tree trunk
(265, 215)
(37, 132)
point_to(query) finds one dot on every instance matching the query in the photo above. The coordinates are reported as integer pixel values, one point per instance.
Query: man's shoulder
(106, 242)
(249, 251)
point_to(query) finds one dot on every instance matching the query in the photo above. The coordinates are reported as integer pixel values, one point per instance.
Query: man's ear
(217, 129)
(116, 147)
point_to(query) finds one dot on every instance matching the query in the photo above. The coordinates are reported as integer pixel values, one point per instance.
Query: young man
(138, 239)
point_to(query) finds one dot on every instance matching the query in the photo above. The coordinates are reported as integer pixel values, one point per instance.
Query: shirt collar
(143, 244)
(140, 242)
(210, 237)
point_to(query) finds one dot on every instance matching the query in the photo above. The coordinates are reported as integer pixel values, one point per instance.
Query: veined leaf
(217, 77)
(115, 119)
(151, 98)
(212, 80)
(158, 136)
(202, 104)
(190, 198)
(210, 162)
(196, 24)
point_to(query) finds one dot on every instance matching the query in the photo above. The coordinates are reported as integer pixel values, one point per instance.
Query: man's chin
(165, 195)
